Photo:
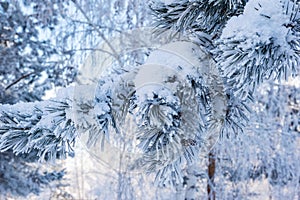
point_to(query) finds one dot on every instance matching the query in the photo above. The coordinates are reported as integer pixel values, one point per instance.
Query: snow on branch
(262, 43)
(41, 126)
(173, 107)
(198, 15)
(48, 127)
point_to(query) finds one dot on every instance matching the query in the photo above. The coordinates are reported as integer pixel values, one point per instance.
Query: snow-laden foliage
(90, 23)
(197, 15)
(281, 120)
(38, 41)
(256, 42)
(262, 43)
(40, 127)
(161, 106)
(48, 129)
(30, 64)
(178, 111)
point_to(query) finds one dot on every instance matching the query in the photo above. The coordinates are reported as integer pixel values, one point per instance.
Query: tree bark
(211, 173)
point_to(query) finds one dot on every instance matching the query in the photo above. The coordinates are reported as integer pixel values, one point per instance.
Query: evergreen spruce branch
(208, 19)
(41, 127)
(167, 16)
(164, 162)
(203, 40)
(215, 14)
(105, 119)
(86, 121)
(172, 121)
(156, 111)
(180, 114)
(203, 99)
(123, 95)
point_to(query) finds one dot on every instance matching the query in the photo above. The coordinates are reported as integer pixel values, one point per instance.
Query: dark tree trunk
(211, 173)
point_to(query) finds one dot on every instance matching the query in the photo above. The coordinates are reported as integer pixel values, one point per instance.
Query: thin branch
(93, 49)
(97, 29)
(18, 80)
(100, 27)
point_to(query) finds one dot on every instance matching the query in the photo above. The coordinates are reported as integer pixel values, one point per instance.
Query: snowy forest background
(66, 64)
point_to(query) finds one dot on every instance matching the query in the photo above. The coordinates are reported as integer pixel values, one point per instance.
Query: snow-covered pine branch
(41, 126)
(174, 106)
(196, 16)
(48, 128)
(262, 43)
(251, 44)
(246, 50)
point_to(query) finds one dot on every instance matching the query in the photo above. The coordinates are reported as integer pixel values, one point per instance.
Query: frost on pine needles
(262, 43)
(196, 16)
(174, 107)
(42, 127)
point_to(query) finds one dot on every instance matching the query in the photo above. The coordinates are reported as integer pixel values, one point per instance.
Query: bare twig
(99, 27)
(94, 49)
(89, 21)
(18, 80)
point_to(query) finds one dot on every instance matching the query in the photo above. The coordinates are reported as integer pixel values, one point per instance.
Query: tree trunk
(211, 173)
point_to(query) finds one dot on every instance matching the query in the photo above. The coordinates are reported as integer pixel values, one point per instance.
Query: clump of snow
(101, 108)
(262, 22)
(147, 92)
(151, 74)
(181, 56)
